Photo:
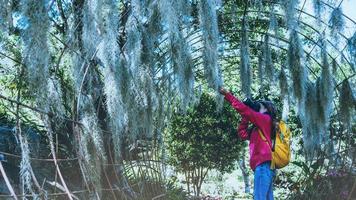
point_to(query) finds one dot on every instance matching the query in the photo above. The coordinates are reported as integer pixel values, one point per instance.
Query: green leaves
(302, 165)
(204, 138)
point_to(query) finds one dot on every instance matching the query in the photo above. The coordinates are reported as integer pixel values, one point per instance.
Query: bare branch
(11, 189)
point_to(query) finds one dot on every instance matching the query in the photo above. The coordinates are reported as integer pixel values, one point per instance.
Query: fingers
(222, 91)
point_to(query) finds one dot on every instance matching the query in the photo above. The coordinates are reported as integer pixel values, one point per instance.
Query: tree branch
(11, 189)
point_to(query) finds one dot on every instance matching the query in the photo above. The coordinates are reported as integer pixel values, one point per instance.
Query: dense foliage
(203, 139)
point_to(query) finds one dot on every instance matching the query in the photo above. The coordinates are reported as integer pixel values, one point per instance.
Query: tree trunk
(199, 180)
(202, 177)
(243, 168)
(187, 180)
(194, 182)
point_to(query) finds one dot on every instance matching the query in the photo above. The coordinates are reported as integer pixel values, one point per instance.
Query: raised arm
(242, 130)
(254, 117)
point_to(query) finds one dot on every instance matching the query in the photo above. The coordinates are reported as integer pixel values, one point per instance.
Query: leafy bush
(335, 184)
(203, 139)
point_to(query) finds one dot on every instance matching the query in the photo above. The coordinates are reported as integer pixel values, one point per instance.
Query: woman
(260, 149)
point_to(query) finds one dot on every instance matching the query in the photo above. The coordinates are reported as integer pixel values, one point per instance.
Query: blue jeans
(263, 182)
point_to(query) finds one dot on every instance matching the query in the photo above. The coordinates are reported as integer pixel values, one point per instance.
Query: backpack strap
(276, 134)
(264, 138)
(273, 166)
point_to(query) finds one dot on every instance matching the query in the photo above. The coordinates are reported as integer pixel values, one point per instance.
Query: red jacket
(260, 151)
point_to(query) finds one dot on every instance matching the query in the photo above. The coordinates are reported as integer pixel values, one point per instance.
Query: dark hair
(254, 105)
(271, 111)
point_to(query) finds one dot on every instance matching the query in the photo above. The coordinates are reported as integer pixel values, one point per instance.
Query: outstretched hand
(223, 91)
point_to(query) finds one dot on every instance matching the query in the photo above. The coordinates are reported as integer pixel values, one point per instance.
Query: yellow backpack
(281, 154)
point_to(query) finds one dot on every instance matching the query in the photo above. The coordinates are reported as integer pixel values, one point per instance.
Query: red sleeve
(242, 129)
(262, 121)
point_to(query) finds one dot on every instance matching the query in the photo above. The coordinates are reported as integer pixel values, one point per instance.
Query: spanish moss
(284, 92)
(318, 9)
(337, 22)
(273, 24)
(92, 155)
(283, 83)
(325, 92)
(347, 104)
(296, 66)
(25, 167)
(91, 129)
(36, 52)
(352, 49)
(209, 27)
(267, 55)
(334, 66)
(312, 128)
(290, 7)
(260, 69)
(5, 15)
(245, 71)
(107, 53)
